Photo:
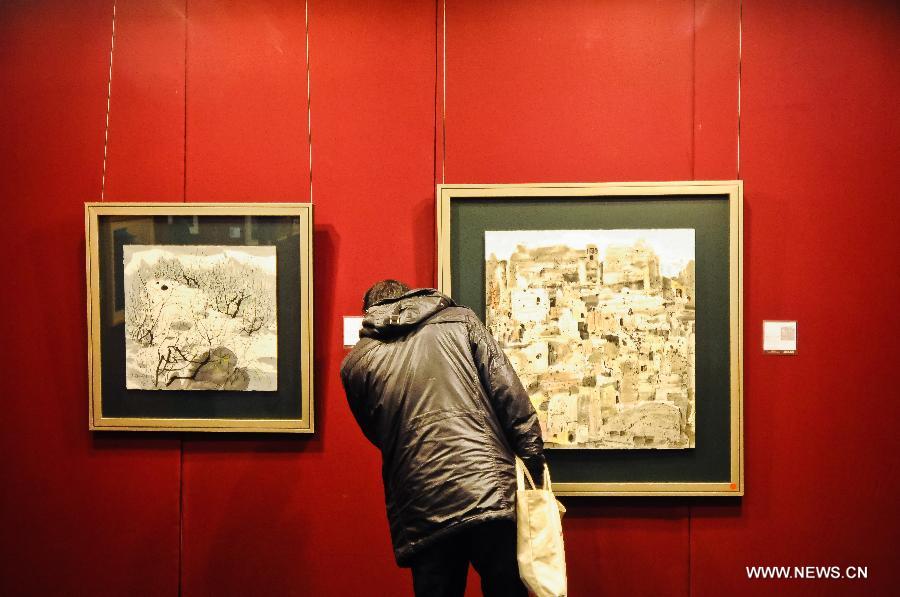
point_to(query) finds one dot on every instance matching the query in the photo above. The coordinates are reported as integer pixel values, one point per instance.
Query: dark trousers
(440, 570)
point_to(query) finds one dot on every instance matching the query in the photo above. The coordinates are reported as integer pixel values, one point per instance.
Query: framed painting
(200, 316)
(619, 306)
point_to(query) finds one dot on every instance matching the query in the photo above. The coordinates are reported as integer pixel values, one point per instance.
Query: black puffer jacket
(434, 392)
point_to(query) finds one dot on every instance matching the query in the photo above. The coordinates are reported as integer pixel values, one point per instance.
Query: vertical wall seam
(184, 139)
(694, 91)
(184, 153)
(112, 49)
(740, 81)
(180, 515)
(434, 123)
(690, 550)
(444, 94)
(690, 554)
(437, 83)
(690, 537)
(184, 161)
(308, 102)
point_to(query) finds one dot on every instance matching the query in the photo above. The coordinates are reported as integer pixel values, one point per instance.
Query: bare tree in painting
(172, 360)
(257, 312)
(141, 314)
(208, 333)
(174, 269)
(201, 318)
(228, 289)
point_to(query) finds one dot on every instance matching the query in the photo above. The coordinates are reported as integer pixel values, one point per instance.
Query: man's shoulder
(457, 313)
(356, 353)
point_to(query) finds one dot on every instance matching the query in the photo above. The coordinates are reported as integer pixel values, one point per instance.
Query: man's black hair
(383, 290)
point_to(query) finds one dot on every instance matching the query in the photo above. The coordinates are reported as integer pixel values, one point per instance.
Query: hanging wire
(112, 48)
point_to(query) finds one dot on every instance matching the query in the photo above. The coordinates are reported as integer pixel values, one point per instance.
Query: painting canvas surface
(200, 317)
(599, 325)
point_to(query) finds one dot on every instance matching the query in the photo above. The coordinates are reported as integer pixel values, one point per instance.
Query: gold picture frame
(289, 228)
(470, 207)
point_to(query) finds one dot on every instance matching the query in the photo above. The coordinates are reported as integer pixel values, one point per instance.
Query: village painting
(200, 318)
(599, 325)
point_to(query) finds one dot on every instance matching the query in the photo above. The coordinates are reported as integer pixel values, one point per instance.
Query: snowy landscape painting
(200, 317)
(599, 325)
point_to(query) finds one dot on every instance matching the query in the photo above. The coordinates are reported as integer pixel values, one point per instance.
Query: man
(434, 392)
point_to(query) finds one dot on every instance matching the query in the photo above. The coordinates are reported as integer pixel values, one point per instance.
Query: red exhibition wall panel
(820, 149)
(247, 136)
(579, 92)
(288, 516)
(212, 100)
(717, 56)
(245, 512)
(81, 514)
(568, 92)
(372, 111)
(147, 103)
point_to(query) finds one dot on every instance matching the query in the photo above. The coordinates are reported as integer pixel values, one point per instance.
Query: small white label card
(780, 337)
(352, 325)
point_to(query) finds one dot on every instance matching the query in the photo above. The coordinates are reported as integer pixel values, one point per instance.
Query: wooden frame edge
(734, 189)
(96, 421)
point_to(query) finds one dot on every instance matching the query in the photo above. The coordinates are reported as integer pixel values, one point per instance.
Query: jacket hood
(394, 317)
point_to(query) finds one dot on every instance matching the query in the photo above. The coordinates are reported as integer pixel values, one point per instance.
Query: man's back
(433, 391)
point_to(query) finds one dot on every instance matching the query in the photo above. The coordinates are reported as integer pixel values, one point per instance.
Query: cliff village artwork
(600, 327)
(200, 318)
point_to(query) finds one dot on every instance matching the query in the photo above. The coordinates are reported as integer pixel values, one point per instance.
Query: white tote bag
(542, 557)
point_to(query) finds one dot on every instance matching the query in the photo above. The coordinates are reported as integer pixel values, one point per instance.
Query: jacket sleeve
(509, 399)
(356, 398)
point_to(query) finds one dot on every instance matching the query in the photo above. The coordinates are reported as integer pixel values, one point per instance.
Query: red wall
(209, 101)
